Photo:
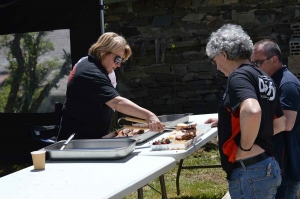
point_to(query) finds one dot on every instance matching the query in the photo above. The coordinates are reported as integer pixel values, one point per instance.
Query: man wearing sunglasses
(267, 56)
(91, 96)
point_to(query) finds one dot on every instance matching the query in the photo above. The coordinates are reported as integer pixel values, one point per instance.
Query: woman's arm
(250, 118)
(127, 107)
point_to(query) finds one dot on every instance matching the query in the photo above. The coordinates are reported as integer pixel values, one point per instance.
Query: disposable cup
(38, 159)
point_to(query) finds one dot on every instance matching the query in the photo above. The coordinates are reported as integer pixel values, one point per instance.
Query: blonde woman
(91, 96)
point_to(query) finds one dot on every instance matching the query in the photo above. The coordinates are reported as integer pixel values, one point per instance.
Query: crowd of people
(258, 121)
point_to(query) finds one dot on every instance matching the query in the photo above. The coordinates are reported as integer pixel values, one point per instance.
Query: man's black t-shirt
(244, 83)
(287, 146)
(85, 112)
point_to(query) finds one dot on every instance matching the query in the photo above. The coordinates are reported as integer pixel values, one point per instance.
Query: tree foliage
(28, 83)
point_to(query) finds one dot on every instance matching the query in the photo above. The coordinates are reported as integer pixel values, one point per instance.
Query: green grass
(194, 183)
(201, 183)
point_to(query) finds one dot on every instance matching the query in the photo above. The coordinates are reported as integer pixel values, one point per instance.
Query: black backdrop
(81, 17)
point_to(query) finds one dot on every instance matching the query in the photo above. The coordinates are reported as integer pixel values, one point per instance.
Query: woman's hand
(212, 121)
(127, 107)
(154, 124)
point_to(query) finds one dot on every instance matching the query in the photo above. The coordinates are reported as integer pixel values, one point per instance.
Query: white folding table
(87, 179)
(180, 155)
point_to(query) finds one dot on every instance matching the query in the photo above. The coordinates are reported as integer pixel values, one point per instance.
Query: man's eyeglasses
(259, 63)
(118, 59)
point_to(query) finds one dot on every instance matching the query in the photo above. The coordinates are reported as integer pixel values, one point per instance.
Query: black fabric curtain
(82, 17)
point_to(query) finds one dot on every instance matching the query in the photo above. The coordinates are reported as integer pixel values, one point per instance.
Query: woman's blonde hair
(109, 42)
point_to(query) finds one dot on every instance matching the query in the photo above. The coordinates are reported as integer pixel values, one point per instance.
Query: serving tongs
(140, 121)
(67, 142)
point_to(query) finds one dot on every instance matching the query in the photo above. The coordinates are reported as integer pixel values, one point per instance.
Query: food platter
(168, 120)
(174, 145)
(179, 139)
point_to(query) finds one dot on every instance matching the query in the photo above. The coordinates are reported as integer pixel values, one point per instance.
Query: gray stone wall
(168, 72)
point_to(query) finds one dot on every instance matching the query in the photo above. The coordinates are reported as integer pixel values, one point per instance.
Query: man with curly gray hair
(246, 115)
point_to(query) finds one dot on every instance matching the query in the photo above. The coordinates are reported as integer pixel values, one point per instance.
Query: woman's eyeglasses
(118, 59)
(258, 63)
(212, 61)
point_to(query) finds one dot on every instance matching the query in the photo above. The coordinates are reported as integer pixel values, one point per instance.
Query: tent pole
(101, 16)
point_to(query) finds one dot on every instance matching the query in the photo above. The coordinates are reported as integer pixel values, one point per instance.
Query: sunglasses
(118, 59)
(258, 63)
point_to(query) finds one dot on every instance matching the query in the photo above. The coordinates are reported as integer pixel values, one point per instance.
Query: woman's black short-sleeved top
(85, 112)
(243, 83)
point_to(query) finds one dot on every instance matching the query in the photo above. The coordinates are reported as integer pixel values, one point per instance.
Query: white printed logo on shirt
(266, 88)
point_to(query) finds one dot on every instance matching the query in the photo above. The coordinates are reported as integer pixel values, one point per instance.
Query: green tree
(27, 85)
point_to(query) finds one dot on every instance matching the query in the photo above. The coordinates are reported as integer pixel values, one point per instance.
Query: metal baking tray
(168, 120)
(91, 149)
(174, 119)
(139, 138)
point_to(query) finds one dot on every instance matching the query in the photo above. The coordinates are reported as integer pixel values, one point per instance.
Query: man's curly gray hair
(231, 39)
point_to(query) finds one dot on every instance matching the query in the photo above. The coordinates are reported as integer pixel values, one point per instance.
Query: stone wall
(169, 72)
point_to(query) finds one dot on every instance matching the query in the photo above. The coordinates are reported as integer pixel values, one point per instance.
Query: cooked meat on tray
(187, 128)
(186, 136)
(185, 131)
(128, 132)
(162, 141)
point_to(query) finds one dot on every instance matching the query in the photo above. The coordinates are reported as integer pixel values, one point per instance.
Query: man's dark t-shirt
(85, 112)
(287, 146)
(244, 83)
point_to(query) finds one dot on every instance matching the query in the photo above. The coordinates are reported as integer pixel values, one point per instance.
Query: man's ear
(275, 59)
(224, 54)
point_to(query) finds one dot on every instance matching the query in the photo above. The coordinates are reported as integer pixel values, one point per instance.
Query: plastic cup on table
(38, 159)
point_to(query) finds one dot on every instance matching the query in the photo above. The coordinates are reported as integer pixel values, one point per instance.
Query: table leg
(140, 193)
(178, 175)
(180, 167)
(163, 187)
